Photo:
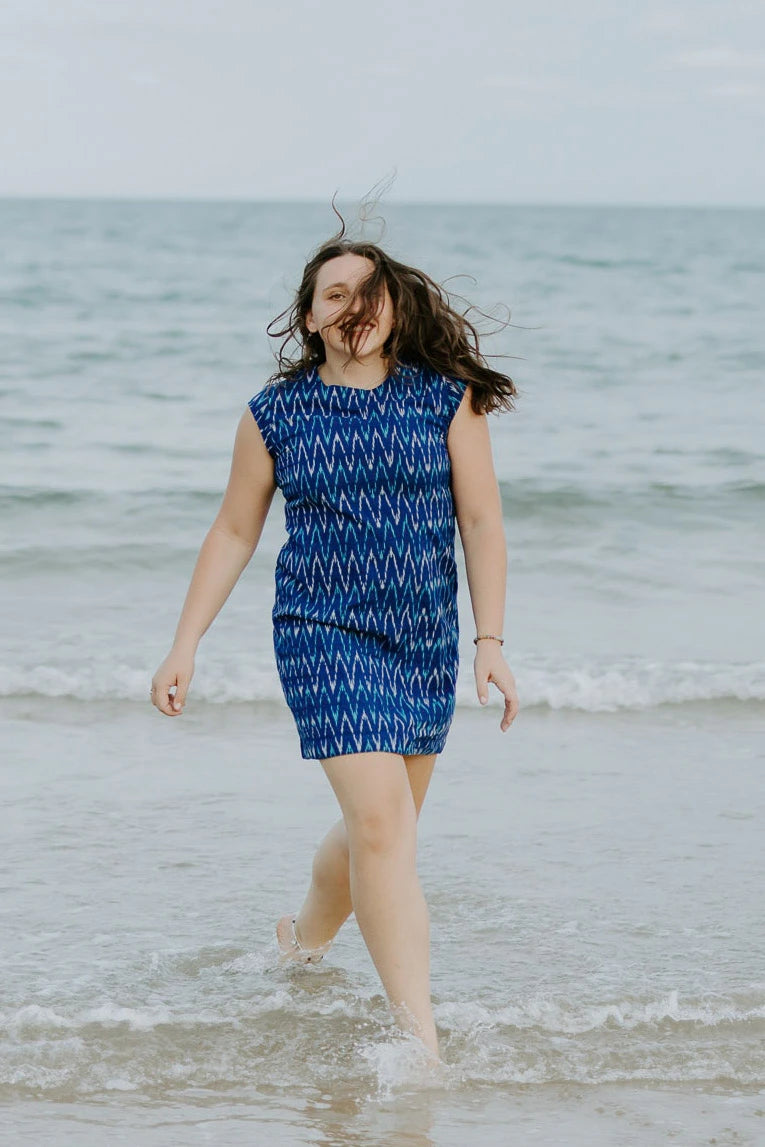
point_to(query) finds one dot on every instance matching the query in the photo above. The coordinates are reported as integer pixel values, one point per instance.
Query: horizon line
(289, 202)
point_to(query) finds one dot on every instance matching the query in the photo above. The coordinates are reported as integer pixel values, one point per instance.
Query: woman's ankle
(326, 907)
(310, 935)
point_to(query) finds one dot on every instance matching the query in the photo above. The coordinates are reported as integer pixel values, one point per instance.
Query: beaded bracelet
(493, 636)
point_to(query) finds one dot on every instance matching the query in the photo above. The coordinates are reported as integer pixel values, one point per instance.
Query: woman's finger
(162, 698)
(510, 713)
(507, 687)
(179, 700)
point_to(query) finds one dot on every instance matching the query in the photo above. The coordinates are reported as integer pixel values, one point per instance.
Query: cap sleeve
(452, 393)
(262, 407)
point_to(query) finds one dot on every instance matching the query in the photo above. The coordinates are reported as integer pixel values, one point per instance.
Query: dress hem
(316, 750)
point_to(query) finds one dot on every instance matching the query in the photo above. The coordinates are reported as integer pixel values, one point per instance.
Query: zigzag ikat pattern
(365, 614)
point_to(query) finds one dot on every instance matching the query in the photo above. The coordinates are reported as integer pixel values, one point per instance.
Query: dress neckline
(331, 388)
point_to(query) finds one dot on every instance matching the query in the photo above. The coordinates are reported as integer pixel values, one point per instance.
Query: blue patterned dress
(365, 623)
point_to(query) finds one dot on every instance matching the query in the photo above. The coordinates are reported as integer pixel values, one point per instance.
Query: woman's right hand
(177, 669)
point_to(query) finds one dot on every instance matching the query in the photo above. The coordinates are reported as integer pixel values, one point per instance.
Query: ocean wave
(520, 496)
(541, 1013)
(39, 497)
(282, 1035)
(568, 1017)
(591, 687)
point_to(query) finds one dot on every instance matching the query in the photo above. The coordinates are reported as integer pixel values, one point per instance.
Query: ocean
(594, 875)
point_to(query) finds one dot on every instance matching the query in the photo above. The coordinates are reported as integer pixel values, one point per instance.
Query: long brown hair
(427, 329)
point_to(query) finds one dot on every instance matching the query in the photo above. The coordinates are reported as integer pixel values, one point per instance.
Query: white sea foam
(540, 1013)
(584, 685)
(568, 1017)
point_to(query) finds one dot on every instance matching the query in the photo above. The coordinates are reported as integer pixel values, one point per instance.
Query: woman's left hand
(490, 665)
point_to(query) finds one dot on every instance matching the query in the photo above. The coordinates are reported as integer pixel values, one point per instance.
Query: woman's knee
(383, 829)
(376, 799)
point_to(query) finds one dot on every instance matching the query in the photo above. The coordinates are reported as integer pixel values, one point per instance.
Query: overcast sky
(490, 101)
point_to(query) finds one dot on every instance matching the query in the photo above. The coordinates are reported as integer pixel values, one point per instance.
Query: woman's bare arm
(478, 510)
(227, 548)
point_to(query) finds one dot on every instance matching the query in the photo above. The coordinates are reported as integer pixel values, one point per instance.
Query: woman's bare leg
(328, 901)
(380, 816)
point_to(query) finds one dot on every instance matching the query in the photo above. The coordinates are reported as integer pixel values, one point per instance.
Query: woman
(378, 437)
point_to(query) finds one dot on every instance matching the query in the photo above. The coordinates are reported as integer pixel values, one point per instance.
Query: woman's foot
(291, 949)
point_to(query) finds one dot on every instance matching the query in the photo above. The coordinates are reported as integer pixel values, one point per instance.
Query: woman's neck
(364, 374)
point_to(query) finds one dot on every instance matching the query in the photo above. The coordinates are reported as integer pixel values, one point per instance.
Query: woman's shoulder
(278, 388)
(272, 406)
(445, 388)
(436, 375)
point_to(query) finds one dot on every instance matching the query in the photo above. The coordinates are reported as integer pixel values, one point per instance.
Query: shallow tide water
(595, 929)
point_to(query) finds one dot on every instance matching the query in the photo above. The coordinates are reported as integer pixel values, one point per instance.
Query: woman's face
(335, 283)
